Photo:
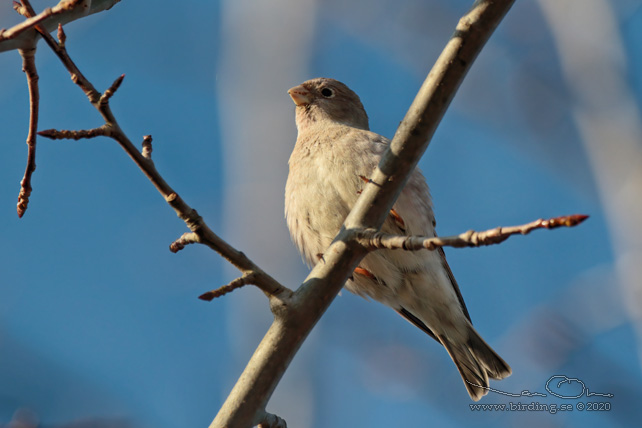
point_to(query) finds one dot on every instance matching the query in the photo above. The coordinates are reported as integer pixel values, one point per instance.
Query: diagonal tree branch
(23, 35)
(237, 283)
(256, 384)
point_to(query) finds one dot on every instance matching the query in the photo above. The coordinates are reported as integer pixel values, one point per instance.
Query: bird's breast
(322, 187)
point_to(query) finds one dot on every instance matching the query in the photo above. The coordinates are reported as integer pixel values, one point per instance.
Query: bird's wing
(414, 209)
(442, 255)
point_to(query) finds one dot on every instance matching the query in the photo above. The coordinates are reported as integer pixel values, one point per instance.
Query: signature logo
(559, 386)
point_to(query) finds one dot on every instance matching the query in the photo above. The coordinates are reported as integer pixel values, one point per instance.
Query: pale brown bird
(333, 151)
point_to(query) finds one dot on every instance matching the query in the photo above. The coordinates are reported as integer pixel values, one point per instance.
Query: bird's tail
(476, 362)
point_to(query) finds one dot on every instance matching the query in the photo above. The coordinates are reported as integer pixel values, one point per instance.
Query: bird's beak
(300, 95)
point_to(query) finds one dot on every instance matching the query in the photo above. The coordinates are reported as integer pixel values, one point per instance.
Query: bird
(334, 154)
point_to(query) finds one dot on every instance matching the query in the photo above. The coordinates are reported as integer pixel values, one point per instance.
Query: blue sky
(100, 322)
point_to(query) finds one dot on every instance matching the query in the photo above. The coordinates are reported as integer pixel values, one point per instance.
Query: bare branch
(255, 277)
(374, 240)
(76, 76)
(63, 134)
(246, 279)
(29, 67)
(112, 89)
(23, 35)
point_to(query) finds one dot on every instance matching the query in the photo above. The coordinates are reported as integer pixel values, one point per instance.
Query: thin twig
(374, 240)
(112, 89)
(61, 51)
(29, 67)
(255, 277)
(63, 134)
(246, 279)
(186, 239)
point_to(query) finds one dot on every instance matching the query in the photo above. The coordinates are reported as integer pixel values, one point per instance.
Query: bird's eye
(327, 92)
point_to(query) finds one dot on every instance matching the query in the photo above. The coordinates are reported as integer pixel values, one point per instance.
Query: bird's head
(324, 99)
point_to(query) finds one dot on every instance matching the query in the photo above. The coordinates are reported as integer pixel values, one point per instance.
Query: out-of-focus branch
(294, 322)
(593, 62)
(29, 67)
(374, 240)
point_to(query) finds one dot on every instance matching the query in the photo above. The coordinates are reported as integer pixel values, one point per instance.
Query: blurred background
(100, 324)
